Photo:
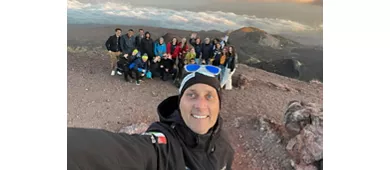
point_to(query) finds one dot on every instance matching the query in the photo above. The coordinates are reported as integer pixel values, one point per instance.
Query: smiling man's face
(199, 107)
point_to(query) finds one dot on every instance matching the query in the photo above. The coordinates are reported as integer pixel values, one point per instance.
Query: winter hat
(135, 52)
(195, 78)
(145, 56)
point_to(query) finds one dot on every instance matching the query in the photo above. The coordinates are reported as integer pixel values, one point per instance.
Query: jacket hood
(150, 36)
(169, 113)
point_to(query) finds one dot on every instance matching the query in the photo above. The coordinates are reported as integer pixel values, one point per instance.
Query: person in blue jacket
(160, 48)
(125, 60)
(139, 66)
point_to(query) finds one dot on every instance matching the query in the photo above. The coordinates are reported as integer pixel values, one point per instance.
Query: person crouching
(139, 67)
(125, 60)
(166, 67)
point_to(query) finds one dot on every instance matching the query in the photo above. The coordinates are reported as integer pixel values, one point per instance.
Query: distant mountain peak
(253, 36)
(169, 36)
(251, 29)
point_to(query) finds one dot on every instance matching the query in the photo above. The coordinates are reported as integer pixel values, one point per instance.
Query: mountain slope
(252, 115)
(259, 49)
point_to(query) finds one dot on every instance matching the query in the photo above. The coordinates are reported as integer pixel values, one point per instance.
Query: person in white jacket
(224, 41)
(230, 68)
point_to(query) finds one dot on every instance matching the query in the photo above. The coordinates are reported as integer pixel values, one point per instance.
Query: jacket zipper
(210, 151)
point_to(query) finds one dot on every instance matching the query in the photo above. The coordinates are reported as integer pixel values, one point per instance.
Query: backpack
(148, 74)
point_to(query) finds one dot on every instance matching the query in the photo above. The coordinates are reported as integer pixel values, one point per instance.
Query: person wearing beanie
(189, 135)
(135, 53)
(139, 66)
(125, 60)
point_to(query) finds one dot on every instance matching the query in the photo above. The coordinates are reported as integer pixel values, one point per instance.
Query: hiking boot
(137, 83)
(112, 73)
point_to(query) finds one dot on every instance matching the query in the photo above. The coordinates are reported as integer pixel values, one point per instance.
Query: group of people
(141, 55)
(190, 132)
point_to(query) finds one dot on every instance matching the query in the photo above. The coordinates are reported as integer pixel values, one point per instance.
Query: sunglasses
(205, 69)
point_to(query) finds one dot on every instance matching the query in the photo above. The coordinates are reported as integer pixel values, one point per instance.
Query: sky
(299, 18)
(303, 11)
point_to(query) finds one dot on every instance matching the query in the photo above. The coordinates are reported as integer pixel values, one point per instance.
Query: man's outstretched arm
(101, 149)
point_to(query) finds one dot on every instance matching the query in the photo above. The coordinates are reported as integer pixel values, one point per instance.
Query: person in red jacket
(183, 47)
(173, 48)
(180, 62)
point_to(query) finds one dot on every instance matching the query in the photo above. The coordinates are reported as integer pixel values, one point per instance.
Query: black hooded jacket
(178, 148)
(147, 46)
(138, 39)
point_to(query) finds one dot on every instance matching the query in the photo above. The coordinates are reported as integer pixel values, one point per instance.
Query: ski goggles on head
(204, 69)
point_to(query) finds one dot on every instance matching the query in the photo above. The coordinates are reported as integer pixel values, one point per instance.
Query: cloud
(114, 6)
(115, 13)
(73, 4)
(314, 2)
(176, 18)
